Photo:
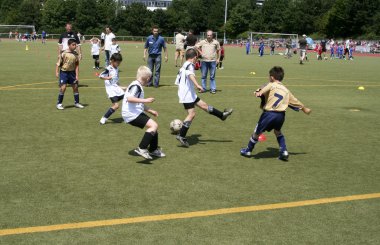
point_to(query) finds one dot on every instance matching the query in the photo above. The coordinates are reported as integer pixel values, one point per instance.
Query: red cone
(262, 137)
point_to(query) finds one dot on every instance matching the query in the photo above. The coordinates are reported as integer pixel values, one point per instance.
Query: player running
(187, 96)
(275, 99)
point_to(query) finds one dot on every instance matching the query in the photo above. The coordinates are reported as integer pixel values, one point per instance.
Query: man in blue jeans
(210, 50)
(153, 47)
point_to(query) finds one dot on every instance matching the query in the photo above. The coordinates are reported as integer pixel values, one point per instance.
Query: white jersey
(95, 48)
(131, 111)
(115, 49)
(108, 41)
(112, 86)
(186, 92)
(102, 36)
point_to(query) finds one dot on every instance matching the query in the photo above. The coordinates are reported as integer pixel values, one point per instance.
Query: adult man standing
(64, 38)
(153, 48)
(108, 44)
(210, 50)
(303, 46)
(179, 48)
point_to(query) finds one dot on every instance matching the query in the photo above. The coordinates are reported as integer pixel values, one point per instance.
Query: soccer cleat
(60, 107)
(213, 91)
(103, 120)
(143, 152)
(227, 113)
(245, 152)
(157, 153)
(221, 68)
(77, 105)
(284, 156)
(183, 141)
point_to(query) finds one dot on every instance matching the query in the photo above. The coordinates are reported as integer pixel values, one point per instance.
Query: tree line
(317, 18)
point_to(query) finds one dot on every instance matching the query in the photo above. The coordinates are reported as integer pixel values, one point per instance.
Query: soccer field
(61, 169)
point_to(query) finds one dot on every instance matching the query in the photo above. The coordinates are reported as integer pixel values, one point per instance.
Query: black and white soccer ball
(175, 126)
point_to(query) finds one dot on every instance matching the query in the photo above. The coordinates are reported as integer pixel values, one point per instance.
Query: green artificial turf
(63, 167)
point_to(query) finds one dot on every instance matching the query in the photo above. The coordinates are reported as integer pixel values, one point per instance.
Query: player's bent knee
(152, 125)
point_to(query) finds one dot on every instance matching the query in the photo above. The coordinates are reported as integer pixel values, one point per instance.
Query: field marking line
(235, 77)
(186, 215)
(221, 86)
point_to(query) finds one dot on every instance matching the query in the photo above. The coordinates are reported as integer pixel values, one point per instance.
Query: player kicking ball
(111, 80)
(133, 113)
(187, 96)
(275, 99)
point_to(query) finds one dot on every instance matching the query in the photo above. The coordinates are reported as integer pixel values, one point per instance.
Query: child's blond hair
(143, 72)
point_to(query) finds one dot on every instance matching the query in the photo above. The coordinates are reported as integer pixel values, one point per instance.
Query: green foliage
(327, 18)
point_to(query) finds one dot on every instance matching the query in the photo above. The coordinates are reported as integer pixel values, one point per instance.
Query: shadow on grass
(82, 86)
(73, 106)
(195, 139)
(116, 120)
(273, 153)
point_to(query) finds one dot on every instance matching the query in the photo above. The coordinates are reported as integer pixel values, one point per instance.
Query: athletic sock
(60, 98)
(251, 144)
(281, 143)
(185, 127)
(76, 98)
(215, 112)
(109, 113)
(146, 140)
(96, 64)
(154, 143)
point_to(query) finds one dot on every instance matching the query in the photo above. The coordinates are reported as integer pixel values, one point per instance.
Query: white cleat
(144, 153)
(103, 120)
(158, 153)
(60, 107)
(77, 105)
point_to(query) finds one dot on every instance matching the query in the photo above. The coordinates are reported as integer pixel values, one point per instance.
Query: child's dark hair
(191, 53)
(71, 41)
(113, 40)
(221, 43)
(116, 57)
(277, 73)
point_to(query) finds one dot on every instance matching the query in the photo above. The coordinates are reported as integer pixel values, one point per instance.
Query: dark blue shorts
(270, 120)
(67, 77)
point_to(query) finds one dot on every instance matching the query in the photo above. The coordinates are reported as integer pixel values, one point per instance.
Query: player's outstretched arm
(133, 99)
(306, 110)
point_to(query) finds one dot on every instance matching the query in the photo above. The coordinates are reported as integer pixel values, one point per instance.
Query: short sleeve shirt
(64, 38)
(155, 45)
(186, 92)
(209, 49)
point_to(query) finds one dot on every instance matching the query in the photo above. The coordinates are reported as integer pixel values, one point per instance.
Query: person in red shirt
(222, 55)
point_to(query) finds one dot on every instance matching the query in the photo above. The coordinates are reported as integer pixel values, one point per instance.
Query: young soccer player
(115, 48)
(67, 70)
(95, 51)
(275, 99)
(111, 80)
(187, 96)
(133, 112)
(222, 55)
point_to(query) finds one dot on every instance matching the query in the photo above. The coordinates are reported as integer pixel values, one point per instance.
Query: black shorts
(221, 58)
(191, 105)
(140, 121)
(95, 57)
(117, 98)
(323, 49)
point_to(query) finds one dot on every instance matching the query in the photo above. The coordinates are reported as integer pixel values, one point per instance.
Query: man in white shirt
(107, 44)
(179, 47)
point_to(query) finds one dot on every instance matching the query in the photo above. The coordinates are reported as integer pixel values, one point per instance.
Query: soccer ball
(175, 126)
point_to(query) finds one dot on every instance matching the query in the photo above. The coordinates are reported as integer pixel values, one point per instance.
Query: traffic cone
(262, 137)
(27, 47)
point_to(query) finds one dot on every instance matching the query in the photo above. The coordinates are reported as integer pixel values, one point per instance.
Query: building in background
(150, 4)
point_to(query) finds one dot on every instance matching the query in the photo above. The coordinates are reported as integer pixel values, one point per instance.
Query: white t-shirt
(112, 86)
(131, 111)
(180, 41)
(95, 48)
(186, 92)
(102, 36)
(108, 41)
(115, 48)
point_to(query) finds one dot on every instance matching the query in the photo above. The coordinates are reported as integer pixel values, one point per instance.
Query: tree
(85, 19)
(56, 13)
(240, 19)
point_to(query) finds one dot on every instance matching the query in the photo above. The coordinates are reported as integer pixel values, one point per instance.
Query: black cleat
(284, 156)
(183, 141)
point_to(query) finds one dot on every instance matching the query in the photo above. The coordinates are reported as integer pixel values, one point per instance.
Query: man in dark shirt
(303, 47)
(323, 44)
(191, 40)
(64, 38)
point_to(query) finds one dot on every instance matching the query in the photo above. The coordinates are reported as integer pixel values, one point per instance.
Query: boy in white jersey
(111, 80)
(188, 97)
(115, 48)
(133, 113)
(95, 51)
